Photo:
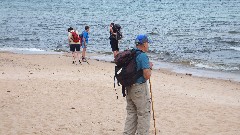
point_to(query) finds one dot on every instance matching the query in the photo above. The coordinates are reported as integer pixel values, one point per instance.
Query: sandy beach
(47, 95)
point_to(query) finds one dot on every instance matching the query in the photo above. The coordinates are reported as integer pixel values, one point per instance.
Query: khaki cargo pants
(138, 110)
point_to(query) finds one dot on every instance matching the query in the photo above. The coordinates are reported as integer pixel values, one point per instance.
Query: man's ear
(144, 44)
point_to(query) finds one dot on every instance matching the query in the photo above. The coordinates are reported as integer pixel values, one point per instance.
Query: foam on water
(235, 48)
(28, 50)
(21, 49)
(214, 67)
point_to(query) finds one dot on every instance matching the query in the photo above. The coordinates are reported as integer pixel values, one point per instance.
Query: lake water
(188, 36)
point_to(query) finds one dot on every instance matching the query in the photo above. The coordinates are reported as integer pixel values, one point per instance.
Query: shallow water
(201, 34)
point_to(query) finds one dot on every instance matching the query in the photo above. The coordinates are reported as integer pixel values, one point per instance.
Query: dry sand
(47, 95)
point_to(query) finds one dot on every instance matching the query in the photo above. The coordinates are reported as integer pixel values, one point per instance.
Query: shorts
(84, 46)
(74, 47)
(114, 44)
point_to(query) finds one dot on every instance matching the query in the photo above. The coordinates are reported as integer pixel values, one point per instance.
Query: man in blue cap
(138, 97)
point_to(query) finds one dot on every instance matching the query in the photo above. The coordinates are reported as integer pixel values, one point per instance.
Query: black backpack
(117, 29)
(126, 68)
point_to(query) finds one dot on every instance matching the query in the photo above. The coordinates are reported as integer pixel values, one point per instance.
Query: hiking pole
(87, 63)
(114, 78)
(85, 60)
(152, 107)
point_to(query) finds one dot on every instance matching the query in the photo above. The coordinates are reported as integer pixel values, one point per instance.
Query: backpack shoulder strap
(137, 51)
(139, 73)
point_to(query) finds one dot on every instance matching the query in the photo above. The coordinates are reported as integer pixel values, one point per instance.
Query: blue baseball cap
(142, 38)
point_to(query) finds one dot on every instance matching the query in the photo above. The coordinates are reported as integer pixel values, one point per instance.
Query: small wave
(60, 50)
(19, 39)
(232, 42)
(215, 67)
(28, 50)
(234, 32)
(153, 33)
(107, 58)
(235, 48)
(10, 39)
(21, 49)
